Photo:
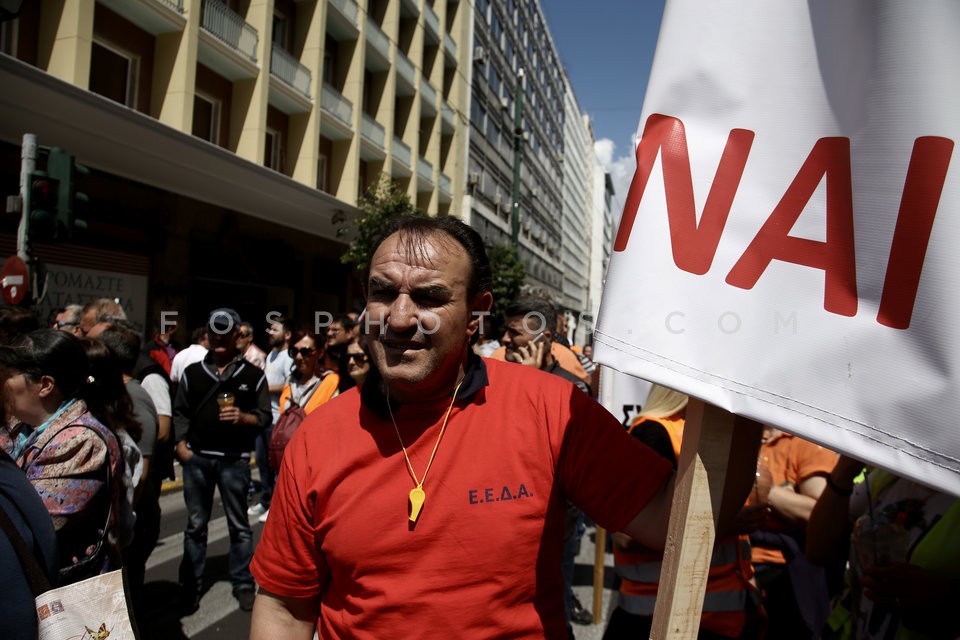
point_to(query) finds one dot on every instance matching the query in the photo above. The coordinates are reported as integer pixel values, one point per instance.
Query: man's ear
(480, 311)
(548, 334)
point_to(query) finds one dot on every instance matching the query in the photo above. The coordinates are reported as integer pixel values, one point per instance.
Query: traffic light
(63, 167)
(43, 206)
(54, 199)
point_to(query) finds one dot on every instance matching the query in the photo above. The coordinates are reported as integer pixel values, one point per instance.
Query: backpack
(288, 422)
(286, 425)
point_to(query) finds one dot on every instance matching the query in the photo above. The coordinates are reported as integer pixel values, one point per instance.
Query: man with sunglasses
(68, 319)
(245, 344)
(279, 364)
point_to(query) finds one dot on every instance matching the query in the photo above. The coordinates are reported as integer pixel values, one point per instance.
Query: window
(322, 171)
(495, 81)
(206, 118)
(113, 73)
(330, 48)
(8, 37)
(496, 31)
(279, 30)
(271, 150)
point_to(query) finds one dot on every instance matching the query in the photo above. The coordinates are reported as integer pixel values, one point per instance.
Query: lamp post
(517, 156)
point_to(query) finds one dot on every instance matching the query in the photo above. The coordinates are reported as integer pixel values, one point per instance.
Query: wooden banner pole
(708, 436)
(599, 552)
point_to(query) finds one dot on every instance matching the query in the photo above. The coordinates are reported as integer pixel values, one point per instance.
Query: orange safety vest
(728, 582)
(324, 391)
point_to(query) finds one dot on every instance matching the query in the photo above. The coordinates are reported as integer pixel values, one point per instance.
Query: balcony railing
(425, 169)
(428, 93)
(336, 105)
(348, 8)
(373, 131)
(445, 185)
(176, 5)
(287, 68)
(449, 46)
(222, 23)
(401, 153)
(431, 21)
(377, 38)
(446, 114)
(405, 69)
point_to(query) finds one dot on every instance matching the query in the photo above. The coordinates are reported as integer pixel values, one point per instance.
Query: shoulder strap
(210, 393)
(36, 578)
(306, 395)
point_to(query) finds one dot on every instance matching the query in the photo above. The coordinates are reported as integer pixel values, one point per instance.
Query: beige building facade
(259, 120)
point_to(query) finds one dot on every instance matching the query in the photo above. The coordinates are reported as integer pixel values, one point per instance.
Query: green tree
(382, 201)
(508, 276)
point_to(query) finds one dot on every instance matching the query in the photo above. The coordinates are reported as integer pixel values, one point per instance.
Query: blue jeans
(268, 477)
(201, 474)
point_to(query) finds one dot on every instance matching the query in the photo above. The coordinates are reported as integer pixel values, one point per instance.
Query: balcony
(378, 47)
(448, 122)
(402, 158)
(153, 16)
(406, 78)
(446, 188)
(221, 22)
(431, 24)
(409, 9)
(343, 21)
(424, 175)
(374, 139)
(287, 68)
(449, 50)
(428, 101)
(402, 154)
(289, 83)
(337, 123)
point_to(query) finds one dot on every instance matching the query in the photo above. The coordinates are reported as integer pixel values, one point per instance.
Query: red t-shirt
(483, 560)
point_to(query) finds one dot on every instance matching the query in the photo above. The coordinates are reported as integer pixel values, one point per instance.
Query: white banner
(622, 395)
(787, 249)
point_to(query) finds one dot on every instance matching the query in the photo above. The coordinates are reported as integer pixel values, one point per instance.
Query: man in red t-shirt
(434, 496)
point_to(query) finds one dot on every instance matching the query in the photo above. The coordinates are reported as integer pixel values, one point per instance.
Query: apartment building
(511, 36)
(604, 220)
(230, 140)
(577, 220)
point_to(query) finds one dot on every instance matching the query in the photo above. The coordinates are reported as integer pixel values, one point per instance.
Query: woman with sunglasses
(358, 361)
(310, 384)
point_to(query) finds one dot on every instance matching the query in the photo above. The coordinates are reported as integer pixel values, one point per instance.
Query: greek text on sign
(694, 245)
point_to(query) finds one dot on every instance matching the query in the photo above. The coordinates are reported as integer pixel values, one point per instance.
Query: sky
(607, 50)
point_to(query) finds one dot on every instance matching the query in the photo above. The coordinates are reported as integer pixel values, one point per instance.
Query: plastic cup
(225, 400)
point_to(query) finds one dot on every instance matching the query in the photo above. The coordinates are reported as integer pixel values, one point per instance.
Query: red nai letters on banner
(695, 245)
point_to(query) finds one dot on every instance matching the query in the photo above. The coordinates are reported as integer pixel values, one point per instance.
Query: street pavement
(219, 615)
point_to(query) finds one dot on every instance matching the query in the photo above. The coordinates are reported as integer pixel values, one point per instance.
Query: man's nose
(403, 313)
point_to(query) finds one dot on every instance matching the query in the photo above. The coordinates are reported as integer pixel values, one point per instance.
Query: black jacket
(196, 413)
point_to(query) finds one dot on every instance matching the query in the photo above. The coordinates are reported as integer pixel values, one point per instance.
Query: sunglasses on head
(303, 351)
(359, 358)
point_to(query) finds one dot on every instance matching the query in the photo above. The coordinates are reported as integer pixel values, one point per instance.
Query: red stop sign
(13, 280)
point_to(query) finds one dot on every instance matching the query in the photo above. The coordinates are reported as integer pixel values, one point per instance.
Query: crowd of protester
(95, 415)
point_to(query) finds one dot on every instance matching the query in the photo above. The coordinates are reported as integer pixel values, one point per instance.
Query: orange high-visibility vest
(728, 582)
(324, 391)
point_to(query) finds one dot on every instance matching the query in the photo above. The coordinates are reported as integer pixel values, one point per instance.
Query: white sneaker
(263, 518)
(256, 510)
